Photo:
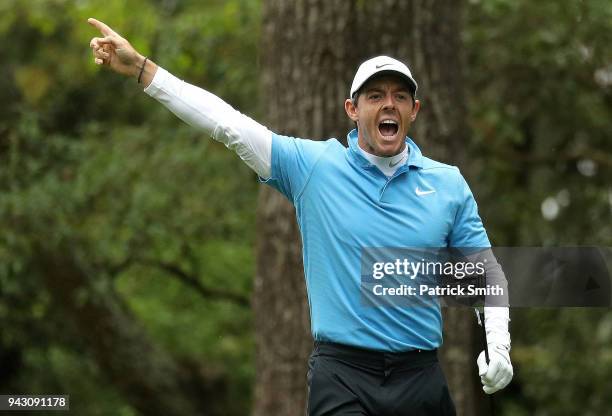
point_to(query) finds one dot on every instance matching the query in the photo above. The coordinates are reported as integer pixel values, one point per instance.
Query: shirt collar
(415, 157)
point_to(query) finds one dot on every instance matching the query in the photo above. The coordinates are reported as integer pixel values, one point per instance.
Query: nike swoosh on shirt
(421, 193)
(392, 165)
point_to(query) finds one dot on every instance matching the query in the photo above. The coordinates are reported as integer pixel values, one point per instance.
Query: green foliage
(540, 79)
(540, 94)
(90, 161)
(563, 362)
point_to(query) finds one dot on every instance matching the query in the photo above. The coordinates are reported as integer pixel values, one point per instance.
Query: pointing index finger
(102, 27)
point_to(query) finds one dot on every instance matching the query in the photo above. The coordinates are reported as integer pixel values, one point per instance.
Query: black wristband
(142, 69)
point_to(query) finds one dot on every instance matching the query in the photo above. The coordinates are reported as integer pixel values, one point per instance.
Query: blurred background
(127, 239)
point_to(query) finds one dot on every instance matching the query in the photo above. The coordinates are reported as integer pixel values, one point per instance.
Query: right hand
(114, 51)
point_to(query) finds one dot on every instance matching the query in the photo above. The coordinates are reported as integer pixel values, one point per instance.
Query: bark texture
(310, 52)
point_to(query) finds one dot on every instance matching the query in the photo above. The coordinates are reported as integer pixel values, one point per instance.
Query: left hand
(498, 373)
(114, 51)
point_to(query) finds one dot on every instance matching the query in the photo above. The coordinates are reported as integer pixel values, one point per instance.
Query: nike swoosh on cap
(420, 192)
(381, 65)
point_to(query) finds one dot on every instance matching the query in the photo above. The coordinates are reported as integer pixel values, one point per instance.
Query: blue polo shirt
(345, 204)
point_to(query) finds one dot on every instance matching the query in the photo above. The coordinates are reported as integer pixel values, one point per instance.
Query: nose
(388, 102)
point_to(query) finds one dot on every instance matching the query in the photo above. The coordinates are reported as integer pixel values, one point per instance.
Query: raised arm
(196, 106)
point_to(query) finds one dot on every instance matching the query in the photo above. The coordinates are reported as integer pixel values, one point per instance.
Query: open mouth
(388, 128)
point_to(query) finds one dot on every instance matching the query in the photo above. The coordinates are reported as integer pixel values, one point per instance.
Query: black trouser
(345, 380)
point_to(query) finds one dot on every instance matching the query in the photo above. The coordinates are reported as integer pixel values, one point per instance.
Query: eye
(374, 96)
(402, 97)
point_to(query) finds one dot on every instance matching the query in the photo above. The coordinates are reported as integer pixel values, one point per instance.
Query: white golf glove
(498, 373)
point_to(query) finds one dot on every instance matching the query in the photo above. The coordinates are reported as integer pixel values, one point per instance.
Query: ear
(415, 109)
(351, 109)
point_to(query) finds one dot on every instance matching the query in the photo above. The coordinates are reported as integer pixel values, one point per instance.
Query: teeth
(388, 122)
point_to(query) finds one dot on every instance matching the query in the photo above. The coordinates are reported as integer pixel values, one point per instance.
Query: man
(378, 192)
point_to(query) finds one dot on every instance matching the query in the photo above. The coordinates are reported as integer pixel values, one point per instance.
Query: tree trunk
(310, 52)
(307, 61)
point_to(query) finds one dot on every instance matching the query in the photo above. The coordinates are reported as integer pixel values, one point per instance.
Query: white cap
(377, 65)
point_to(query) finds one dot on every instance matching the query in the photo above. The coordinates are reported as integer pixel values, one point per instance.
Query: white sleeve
(204, 110)
(496, 325)
(497, 317)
